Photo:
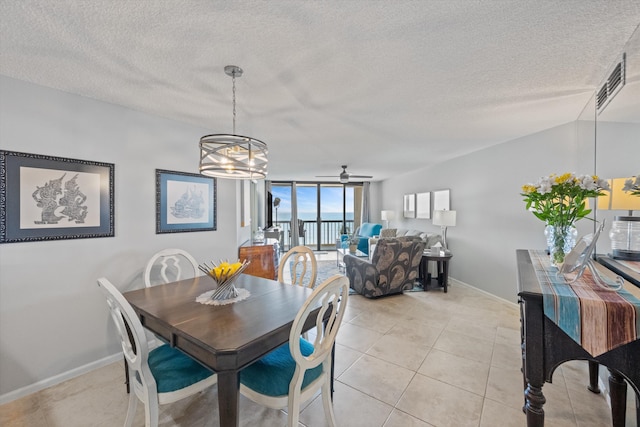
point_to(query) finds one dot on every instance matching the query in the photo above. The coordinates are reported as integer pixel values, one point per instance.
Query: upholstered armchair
(364, 232)
(392, 269)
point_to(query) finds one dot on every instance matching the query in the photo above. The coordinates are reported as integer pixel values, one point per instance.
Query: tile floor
(421, 359)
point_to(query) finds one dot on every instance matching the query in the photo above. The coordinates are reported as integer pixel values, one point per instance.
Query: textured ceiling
(382, 86)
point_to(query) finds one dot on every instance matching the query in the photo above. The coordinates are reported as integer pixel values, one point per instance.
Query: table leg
(593, 377)
(534, 400)
(445, 275)
(229, 398)
(618, 388)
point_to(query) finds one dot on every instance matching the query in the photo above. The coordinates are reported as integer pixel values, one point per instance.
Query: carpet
(326, 269)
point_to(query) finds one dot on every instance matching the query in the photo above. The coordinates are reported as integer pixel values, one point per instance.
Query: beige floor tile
(441, 404)
(505, 386)
(495, 414)
(352, 408)
(400, 351)
(508, 336)
(345, 357)
(464, 346)
(466, 374)
(376, 321)
(357, 337)
(508, 356)
(400, 419)
(476, 330)
(424, 334)
(378, 378)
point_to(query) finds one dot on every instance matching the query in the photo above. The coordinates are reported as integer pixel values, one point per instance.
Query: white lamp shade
(387, 215)
(444, 218)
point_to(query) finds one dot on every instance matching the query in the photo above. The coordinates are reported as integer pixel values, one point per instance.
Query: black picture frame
(54, 198)
(185, 202)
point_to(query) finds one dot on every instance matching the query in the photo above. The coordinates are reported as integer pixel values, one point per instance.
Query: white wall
(53, 318)
(485, 191)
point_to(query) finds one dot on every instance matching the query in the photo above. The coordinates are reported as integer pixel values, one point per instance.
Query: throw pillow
(388, 232)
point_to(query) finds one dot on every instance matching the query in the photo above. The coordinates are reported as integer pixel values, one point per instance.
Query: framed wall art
(423, 205)
(441, 200)
(54, 198)
(184, 202)
(409, 209)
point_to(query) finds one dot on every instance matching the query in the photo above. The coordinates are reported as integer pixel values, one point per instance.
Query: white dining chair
(157, 377)
(298, 267)
(294, 372)
(170, 265)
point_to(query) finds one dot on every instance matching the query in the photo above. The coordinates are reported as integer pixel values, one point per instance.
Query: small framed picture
(184, 202)
(54, 198)
(423, 205)
(409, 206)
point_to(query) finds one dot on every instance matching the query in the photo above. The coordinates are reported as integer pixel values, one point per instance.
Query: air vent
(612, 85)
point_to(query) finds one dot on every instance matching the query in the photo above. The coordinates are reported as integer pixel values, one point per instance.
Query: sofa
(393, 267)
(429, 239)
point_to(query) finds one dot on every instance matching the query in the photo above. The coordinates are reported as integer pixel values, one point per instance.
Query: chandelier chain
(233, 78)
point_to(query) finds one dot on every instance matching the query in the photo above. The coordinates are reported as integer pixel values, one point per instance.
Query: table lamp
(444, 219)
(387, 216)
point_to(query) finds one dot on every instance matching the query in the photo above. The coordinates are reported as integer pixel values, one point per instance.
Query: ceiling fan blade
(360, 176)
(327, 176)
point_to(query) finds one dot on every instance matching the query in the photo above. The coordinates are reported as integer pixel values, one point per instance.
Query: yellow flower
(563, 178)
(528, 188)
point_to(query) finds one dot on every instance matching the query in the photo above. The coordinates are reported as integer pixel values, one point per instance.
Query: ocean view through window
(324, 211)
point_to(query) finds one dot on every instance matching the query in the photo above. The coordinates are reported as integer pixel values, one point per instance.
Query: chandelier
(230, 155)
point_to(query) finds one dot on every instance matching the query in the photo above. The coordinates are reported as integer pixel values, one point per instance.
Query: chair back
(133, 341)
(302, 264)
(331, 295)
(171, 265)
(397, 261)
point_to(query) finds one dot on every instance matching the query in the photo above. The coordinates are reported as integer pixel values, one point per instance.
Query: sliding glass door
(324, 211)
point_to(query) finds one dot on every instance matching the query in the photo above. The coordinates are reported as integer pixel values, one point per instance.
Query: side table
(442, 267)
(341, 252)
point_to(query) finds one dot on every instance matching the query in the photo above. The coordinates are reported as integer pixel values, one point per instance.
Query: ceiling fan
(344, 175)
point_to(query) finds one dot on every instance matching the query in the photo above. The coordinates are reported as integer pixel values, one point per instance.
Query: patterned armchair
(392, 269)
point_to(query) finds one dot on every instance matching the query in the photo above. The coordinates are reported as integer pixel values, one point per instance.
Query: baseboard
(57, 379)
(489, 294)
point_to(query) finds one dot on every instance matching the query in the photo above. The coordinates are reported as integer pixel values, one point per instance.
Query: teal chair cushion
(174, 370)
(272, 374)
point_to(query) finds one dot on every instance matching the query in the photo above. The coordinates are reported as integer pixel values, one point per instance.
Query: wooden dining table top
(222, 337)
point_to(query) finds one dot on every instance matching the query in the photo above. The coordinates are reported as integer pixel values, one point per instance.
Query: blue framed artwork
(184, 202)
(54, 198)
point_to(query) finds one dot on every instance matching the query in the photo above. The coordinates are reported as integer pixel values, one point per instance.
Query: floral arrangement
(560, 201)
(224, 275)
(631, 186)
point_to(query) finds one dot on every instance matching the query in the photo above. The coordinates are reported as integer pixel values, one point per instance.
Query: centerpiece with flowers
(224, 274)
(560, 201)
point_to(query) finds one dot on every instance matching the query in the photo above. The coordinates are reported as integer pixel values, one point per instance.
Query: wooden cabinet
(264, 258)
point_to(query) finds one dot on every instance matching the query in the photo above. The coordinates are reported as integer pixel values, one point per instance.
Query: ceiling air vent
(612, 85)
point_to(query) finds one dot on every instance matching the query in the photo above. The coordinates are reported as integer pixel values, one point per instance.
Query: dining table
(225, 338)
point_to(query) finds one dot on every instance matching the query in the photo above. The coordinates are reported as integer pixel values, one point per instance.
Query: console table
(546, 345)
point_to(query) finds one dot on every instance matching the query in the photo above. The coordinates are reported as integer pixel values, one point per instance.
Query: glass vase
(560, 240)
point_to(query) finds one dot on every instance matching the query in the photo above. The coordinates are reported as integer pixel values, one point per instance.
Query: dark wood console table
(545, 346)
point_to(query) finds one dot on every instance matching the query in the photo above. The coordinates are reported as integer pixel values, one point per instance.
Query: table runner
(597, 319)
